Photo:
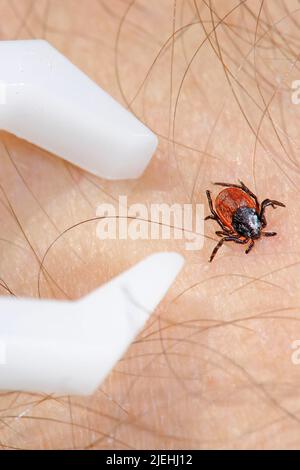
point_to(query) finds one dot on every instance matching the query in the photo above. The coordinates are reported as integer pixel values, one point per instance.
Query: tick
(240, 215)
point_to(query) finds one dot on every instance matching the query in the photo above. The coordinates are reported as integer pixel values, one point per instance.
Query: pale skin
(213, 367)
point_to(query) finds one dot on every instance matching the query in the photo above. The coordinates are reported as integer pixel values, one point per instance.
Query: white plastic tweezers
(70, 347)
(60, 346)
(48, 101)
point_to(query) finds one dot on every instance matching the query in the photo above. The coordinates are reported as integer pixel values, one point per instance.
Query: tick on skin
(240, 215)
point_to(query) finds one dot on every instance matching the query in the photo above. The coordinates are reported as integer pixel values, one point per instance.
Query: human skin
(213, 367)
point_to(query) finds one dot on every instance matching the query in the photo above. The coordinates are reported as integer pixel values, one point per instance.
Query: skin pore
(214, 366)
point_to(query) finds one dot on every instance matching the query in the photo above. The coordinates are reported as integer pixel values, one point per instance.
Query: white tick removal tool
(70, 347)
(49, 102)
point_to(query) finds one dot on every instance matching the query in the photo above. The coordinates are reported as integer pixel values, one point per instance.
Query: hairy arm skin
(213, 368)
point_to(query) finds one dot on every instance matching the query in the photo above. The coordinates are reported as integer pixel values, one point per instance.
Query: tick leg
(269, 234)
(251, 245)
(210, 203)
(266, 203)
(270, 202)
(221, 233)
(214, 215)
(230, 238)
(244, 188)
(216, 248)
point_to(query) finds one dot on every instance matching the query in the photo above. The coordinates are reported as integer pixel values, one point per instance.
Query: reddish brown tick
(240, 215)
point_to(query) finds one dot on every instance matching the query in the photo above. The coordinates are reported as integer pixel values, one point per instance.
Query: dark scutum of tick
(245, 222)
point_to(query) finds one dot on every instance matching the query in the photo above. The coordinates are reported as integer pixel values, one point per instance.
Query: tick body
(240, 215)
